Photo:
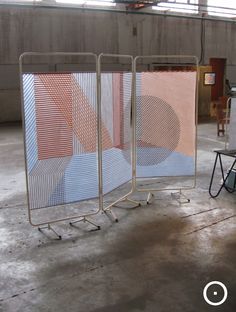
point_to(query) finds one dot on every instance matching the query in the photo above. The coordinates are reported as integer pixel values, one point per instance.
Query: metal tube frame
(49, 222)
(134, 188)
(132, 126)
(227, 122)
(196, 63)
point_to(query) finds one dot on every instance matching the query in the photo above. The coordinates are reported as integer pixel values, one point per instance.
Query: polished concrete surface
(157, 258)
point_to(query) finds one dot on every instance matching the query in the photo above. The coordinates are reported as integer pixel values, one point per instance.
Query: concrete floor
(157, 258)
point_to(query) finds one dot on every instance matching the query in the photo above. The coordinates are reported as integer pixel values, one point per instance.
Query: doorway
(218, 67)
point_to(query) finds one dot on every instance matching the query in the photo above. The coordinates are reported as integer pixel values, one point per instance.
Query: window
(226, 8)
(182, 6)
(66, 2)
(20, 1)
(88, 2)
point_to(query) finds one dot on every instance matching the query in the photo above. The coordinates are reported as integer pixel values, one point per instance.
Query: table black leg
(212, 177)
(226, 177)
(222, 173)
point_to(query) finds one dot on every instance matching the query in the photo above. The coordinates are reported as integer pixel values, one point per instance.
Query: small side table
(219, 154)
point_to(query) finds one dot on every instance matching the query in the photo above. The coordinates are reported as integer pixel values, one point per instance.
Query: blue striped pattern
(81, 178)
(176, 164)
(30, 121)
(116, 162)
(116, 170)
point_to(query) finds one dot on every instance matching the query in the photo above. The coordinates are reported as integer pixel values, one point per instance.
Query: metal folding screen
(116, 141)
(94, 135)
(60, 129)
(165, 122)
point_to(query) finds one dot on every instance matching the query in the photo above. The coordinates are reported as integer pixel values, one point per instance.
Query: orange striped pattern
(54, 132)
(62, 101)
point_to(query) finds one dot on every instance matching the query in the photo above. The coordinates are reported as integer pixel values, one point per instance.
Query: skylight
(182, 6)
(226, 8)
(20, 1)
(89, 2)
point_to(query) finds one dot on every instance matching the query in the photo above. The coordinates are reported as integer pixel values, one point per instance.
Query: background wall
(54, 29)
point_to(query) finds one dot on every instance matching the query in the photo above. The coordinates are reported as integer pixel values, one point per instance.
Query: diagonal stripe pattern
(116, 91)
(60, 112)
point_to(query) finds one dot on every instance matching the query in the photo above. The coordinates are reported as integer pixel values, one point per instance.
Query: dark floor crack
(197, 213)
(209, 225)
